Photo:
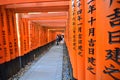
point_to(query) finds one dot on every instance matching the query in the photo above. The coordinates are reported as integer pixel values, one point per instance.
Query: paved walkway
(49, 67)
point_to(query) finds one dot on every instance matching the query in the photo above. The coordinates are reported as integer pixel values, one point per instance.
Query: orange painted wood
(50, 18)
(10, 34)
(43, 4)
(51, 36)
(45, 36)
(26, 1)
(36, 35)
(5, 35)
(42, 9)
(106, 44)
(40, 32)
(27, 34)
(40, 36)
(31, 36)
(46, 15)
(73, 36)
(51, 24)
(70, 43)
(21, 29)
(15, 34)
(23, 36)
(80, 46)
(90, 40)
(2, 54)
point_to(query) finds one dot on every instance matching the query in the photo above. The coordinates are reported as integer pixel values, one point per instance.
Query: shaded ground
(52, 64)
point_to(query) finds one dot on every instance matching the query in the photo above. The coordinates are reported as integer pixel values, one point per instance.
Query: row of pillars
(18, 35)
(21, 40)
(93, 39)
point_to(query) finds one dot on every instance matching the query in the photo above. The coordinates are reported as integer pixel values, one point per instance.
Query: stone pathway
(49, 67)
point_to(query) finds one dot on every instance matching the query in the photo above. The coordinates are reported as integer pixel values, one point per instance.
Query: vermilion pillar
(108, 40)
(21, 29)
(27, 35)
(10, 34)
(2, 55)
(74, 40)
(70, 43)
(90, 39)
(15, 34)
(24, 24)
(80, 39)
(5, 35)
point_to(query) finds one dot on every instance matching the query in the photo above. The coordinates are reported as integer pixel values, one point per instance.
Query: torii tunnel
(91, 30)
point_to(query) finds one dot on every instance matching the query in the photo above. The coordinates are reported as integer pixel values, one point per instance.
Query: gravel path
(67, 70)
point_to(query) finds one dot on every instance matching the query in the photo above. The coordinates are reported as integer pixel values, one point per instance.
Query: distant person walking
(57, 39)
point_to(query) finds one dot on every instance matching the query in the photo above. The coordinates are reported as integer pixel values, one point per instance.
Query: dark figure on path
(57, 39)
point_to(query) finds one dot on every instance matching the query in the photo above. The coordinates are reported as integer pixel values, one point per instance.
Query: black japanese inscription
(91, 8)
(91, 51)
(80, 41)
(80, 36)
(91, 60)
(5, 51)
(4, 35)
(113, 55)
(74, 44)
(91, 21)
(79, 18)
(79, 11)
(111, 1)
(11, 51)
(79, 29)
(78, 4)
(25, 45)
(80, 53)
(91, 31)
(74, 33)
(10, 44)
(111, 70)
(80, 47)
(90, 1)
(114, 37)
(91, 69)
(2, 22)
(115, 18)
(91, 42)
